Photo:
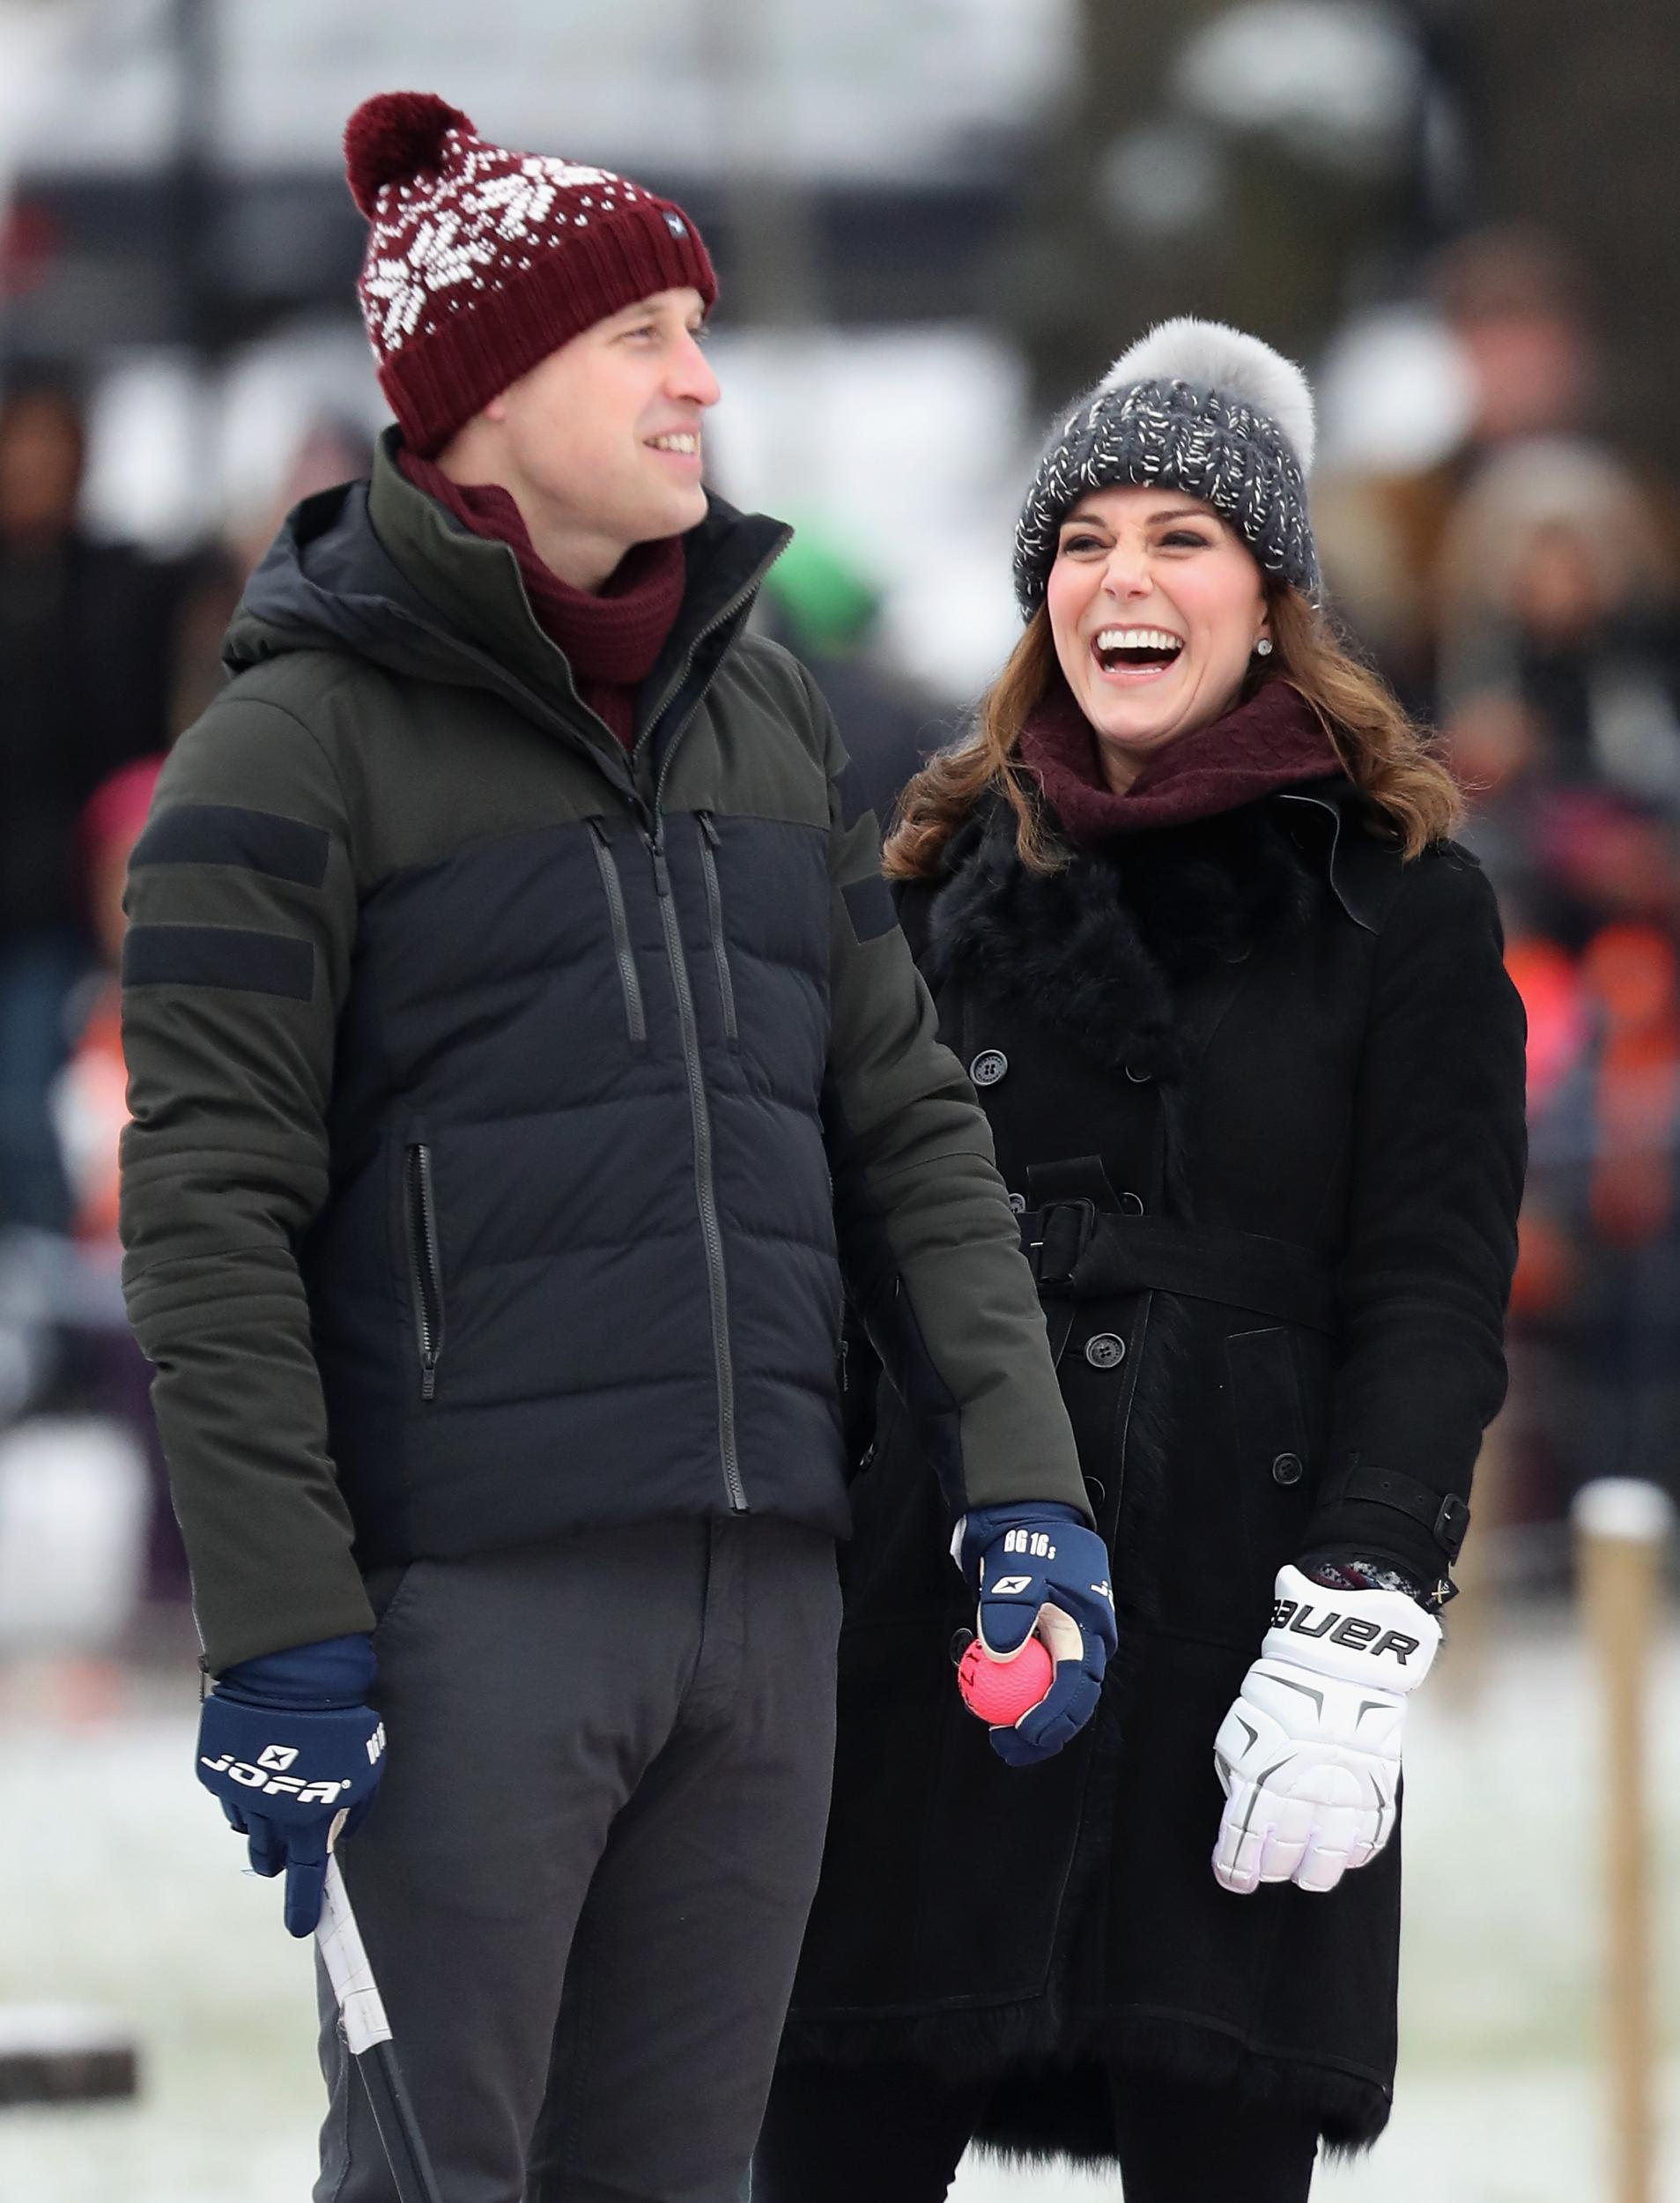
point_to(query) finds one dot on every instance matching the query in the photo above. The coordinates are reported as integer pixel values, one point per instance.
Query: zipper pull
(602, 832)
(662, 871)
(707, 828)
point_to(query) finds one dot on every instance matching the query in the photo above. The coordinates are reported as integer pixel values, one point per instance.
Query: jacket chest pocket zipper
(714, 912)
(426, 1270)
(624, 955)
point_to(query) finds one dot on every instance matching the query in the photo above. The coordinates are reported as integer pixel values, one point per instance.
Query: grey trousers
(585, 1880)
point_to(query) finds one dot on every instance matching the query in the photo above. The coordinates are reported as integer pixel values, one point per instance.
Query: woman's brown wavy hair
(1380, 748)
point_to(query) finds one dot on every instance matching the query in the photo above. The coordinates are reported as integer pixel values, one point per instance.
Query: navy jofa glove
(287, 1742)
(1036, 1566)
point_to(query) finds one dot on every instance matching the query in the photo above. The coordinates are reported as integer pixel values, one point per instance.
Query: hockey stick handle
(367, 2035)
(342, 1953)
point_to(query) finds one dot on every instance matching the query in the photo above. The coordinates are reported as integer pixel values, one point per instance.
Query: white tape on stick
(347, 1967)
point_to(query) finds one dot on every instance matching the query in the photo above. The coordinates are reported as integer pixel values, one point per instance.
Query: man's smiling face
(606, 432)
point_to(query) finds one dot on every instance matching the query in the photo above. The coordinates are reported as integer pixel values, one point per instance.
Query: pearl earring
(1263, 648)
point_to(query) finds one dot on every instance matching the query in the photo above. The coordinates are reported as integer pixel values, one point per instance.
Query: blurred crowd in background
(931, 226)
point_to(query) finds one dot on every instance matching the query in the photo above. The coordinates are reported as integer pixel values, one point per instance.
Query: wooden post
(1620, 1525)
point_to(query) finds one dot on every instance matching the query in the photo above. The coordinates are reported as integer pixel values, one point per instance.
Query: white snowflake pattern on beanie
(481, 259)
(433, 234)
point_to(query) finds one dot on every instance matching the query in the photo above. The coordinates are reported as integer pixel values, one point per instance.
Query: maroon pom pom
(395, 136)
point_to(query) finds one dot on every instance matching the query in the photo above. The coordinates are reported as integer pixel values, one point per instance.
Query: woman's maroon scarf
(1270, 742)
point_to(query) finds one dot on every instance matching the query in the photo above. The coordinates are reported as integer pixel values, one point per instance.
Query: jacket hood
(378, 569)
(328, 582)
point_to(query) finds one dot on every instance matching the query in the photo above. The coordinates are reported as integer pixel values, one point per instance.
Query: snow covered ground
(119, 1887)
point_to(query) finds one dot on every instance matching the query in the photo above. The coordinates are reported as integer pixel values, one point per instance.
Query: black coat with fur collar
(1266, 1025)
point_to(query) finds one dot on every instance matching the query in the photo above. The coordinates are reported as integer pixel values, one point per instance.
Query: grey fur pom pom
(1212, 356)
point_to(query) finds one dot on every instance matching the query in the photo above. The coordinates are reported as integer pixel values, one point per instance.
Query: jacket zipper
(426, 1279)
(636, 1014)
(673, 688)
(705, 1190)
(714, 907)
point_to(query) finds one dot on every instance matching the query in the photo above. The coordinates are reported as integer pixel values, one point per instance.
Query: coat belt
(1079, 1252)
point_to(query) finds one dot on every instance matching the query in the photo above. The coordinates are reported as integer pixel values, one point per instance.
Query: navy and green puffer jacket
(508, 1111)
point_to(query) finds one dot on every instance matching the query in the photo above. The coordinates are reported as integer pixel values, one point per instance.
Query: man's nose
(692, 376)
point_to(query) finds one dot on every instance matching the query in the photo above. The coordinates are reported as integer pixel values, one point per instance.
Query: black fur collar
(1106, 949)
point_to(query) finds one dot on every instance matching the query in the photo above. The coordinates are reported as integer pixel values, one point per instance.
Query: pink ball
(1000, 1691)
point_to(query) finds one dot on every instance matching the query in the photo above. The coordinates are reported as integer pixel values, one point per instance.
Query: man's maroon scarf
(610, 640)
(1272, 741)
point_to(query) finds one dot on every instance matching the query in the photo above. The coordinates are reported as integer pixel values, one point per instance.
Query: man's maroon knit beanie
(482, 260)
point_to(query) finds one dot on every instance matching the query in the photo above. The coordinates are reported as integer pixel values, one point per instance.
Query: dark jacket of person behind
(86, 643)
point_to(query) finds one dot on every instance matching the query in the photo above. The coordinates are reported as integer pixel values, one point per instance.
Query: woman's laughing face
(1156, 605)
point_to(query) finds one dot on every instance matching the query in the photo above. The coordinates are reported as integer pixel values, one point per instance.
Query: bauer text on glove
(1309, 1754)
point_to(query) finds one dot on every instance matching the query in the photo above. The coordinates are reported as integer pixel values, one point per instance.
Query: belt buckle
(1065, 1230)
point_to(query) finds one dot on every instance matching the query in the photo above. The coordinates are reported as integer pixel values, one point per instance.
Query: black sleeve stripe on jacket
(870, 904)
(226, 833)
(231, 956)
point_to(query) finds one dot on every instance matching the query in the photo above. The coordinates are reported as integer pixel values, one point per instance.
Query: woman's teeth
(1140, 647)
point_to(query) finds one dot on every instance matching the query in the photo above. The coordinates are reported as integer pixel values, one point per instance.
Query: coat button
(1138, 1078)
(1106, 1351)
(1132, 1204)
(1288, 1468)
(988, 1066)
(960, 1641)
(1098, 1490)
(1018, 1202)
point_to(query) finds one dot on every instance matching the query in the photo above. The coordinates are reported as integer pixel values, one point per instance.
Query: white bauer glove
(1309, 1756)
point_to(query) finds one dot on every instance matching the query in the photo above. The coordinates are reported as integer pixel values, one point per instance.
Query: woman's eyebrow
(1155, 520)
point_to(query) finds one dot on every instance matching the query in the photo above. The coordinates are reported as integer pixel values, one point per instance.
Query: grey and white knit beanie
(1198, 407)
